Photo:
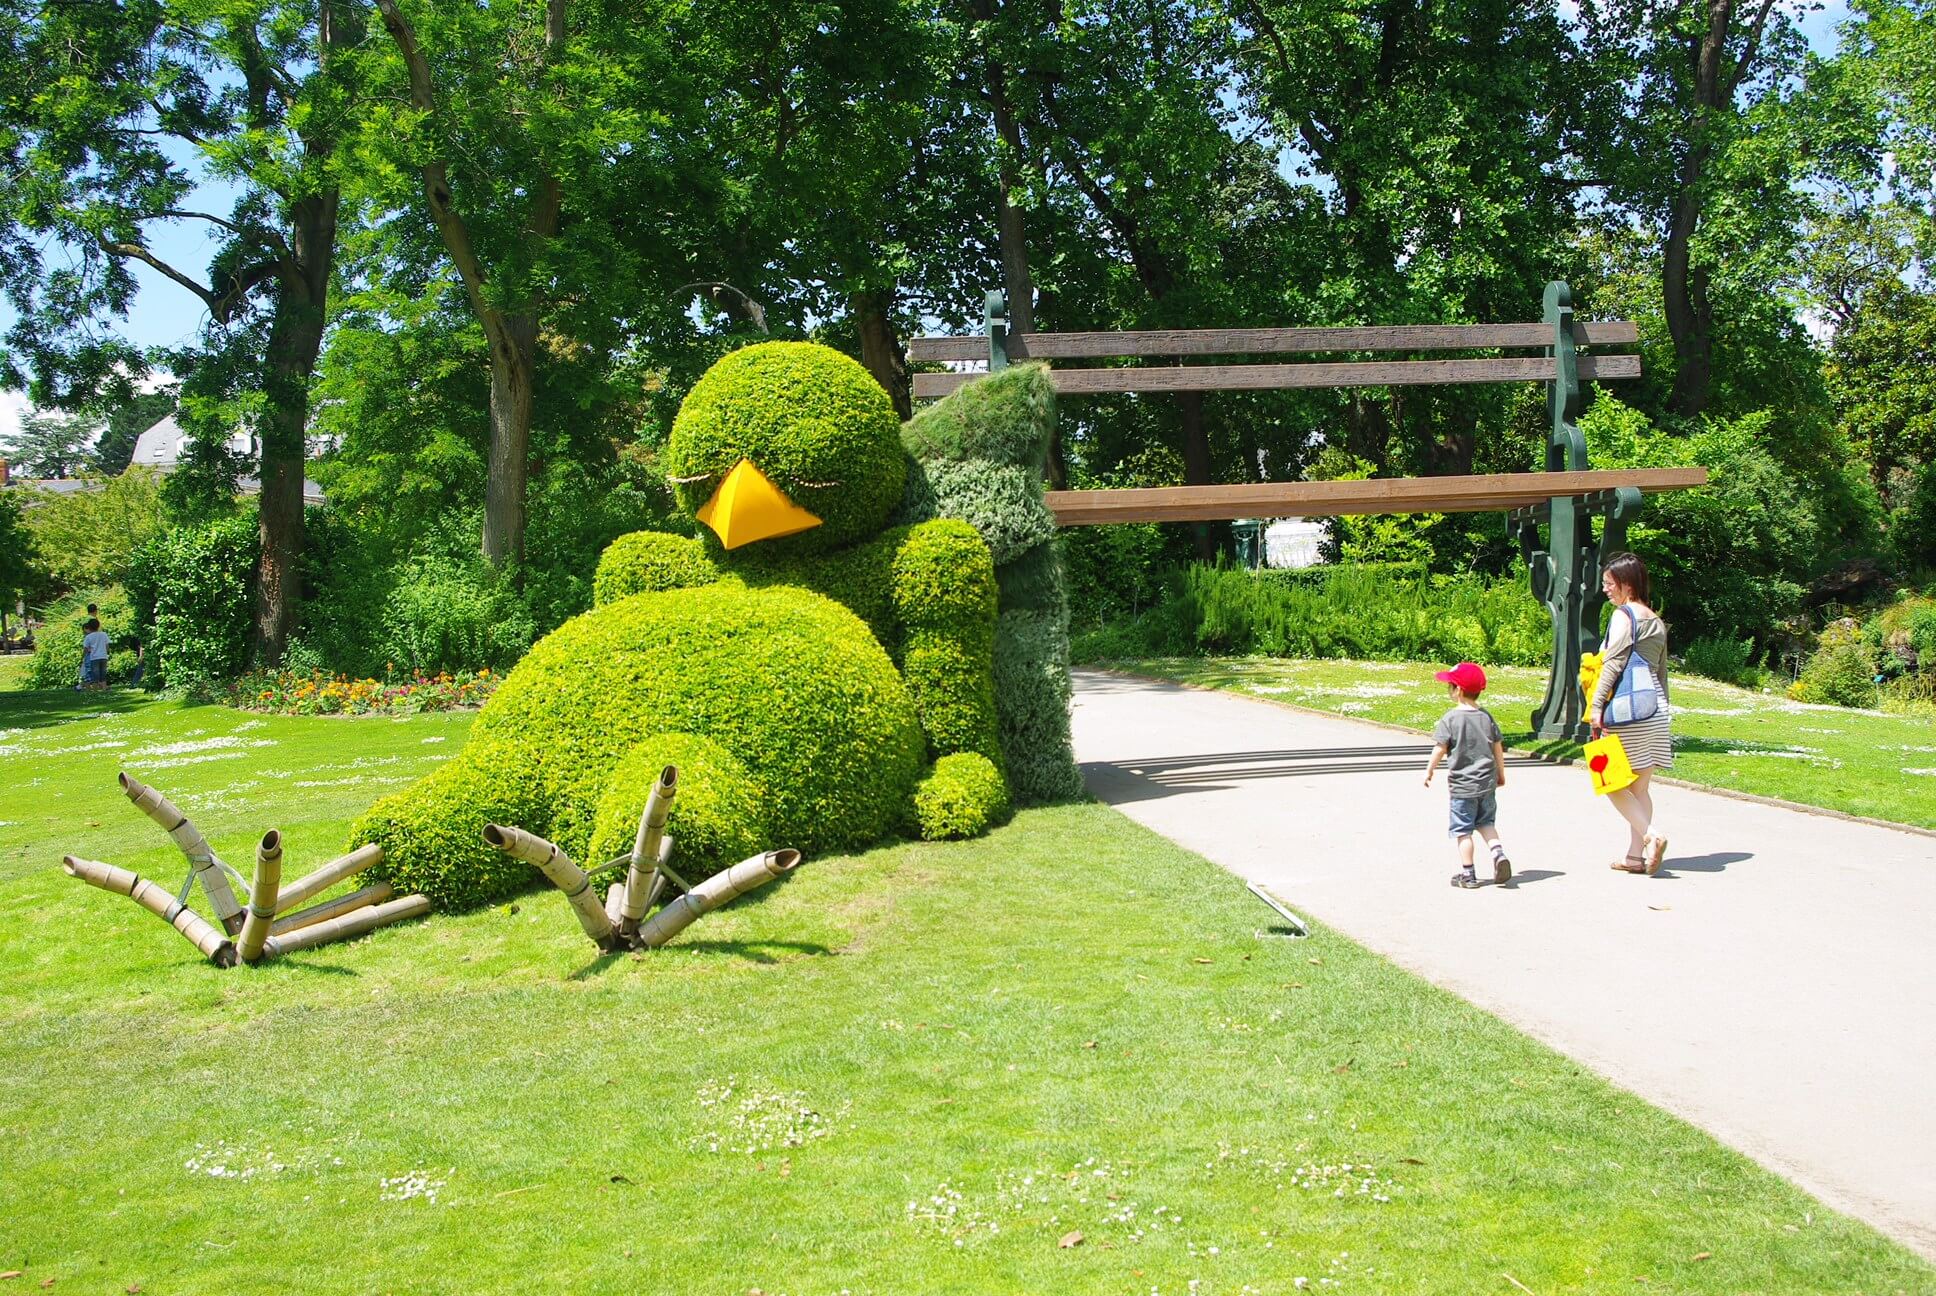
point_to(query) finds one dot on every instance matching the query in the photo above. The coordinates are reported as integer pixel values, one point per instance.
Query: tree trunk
(1690, 316)
(1196, 460)
(514, 355)
(880, 348)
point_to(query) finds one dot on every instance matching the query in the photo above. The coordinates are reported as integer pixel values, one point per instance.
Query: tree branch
(135, 252)
(1748, 50)
(436, 178)
(727, 298)
(273, 239)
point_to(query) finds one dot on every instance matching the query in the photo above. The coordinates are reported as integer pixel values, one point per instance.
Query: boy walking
(94, 656)
(1468, 741)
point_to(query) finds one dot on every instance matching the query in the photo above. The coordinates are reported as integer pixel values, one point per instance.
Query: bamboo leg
(328, 876)
(645, 849)
(208, 870)
(157, 900)
(717, 890)
(375, 893)
(347, 925)
(565, 875)
(262, 897)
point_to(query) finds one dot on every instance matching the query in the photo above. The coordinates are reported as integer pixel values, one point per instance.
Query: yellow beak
(748, 507)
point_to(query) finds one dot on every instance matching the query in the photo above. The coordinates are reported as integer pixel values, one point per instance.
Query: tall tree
(50, 445)
(547, 146)
(113, 116)
(1682, 131)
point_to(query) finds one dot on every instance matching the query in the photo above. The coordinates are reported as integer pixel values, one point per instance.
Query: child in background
(1468, 741)
(94, 655)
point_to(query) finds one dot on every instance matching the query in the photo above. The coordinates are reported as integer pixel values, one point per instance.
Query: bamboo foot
(159, 901)
(719, 889)
(565, 875)
(365, 919)
(376, 893)
(188, 838)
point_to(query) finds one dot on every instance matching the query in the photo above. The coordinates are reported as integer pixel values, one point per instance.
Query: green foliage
(19, 565)
(445, 614)
(1032, 692)
(1732, 558)
(193, 589)
(1377, 613)
(90, 537)
(1729, 660)
(718, 817)
(649, 561)
(964, 796)
(786, 683)
(1912, 526)
(1843, 670)
(1003, 501)
(432, 832)
(812, 420)
(944, 596)
(56, 662)
(1006, 418)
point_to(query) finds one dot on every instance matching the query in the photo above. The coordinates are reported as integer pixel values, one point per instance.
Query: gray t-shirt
(1467, 734)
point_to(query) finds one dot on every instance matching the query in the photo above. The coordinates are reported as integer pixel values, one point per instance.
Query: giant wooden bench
(1565, 563)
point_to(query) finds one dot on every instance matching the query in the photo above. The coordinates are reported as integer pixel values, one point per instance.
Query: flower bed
(285, 693)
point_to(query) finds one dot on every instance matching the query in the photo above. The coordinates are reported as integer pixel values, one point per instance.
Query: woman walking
(1635, 629)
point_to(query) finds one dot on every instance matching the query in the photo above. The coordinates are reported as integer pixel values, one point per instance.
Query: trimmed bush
(979, 457)
(787, 683)
(1727, 659)
(813, 420)
(718, 817)
(963, 796)
(432, 832)
(196, 586)
(649, 561)
(944, 593)
(1842, 671)
(56, 662)
(1007, 418)
(1032, 692)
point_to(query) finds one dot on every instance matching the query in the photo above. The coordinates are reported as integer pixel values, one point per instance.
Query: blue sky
(164, 314)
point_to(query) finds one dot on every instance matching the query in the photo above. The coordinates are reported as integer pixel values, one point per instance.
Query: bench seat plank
(1268, 341)
(1473, 494)
(1367, 373)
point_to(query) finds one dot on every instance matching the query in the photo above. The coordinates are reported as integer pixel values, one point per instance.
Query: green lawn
(919, 1069)
(1858, 762)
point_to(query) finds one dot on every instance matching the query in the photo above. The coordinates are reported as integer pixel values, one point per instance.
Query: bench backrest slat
(1370, 373)
(1175, 342)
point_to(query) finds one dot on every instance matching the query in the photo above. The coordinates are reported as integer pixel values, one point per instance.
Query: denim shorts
(95, 671)
(1469, 813)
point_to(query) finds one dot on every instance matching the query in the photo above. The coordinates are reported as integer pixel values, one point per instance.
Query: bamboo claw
(375, 893)
(262, 898)
(356, 923)
(645, 847)
(328, 876)
(199, 931)
(717, 890)
(190, 841)
(562, 873)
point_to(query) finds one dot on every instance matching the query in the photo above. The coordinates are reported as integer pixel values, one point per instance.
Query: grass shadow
(755, 951)
(596, 966)
(38, 708)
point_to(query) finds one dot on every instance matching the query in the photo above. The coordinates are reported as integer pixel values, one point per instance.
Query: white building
(160, 448)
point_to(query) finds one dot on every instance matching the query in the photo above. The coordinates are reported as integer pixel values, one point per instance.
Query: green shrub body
(783, 685)
(648, 561)
(979, 456)
(964, 796)
(196, 586)
(1842, 671)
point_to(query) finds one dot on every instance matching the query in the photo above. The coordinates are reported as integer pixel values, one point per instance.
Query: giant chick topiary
(826, 677)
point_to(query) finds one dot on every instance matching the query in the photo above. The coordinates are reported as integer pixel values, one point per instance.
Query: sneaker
(1466, 881)
(1501, 869)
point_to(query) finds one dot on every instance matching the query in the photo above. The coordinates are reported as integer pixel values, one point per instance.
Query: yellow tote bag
(1606, 761)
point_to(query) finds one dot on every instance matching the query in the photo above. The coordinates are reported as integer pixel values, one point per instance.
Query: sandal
(1656, 852)
(1632, 864)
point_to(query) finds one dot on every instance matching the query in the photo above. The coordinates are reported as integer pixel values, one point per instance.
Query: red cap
(1466, 675)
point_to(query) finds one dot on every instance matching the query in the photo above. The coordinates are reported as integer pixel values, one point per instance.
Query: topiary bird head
(787, 445)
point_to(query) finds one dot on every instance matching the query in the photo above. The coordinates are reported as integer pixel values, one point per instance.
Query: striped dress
(1649, 743)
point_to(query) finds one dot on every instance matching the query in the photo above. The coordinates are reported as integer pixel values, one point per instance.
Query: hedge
(649, 561)
(964, 795)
